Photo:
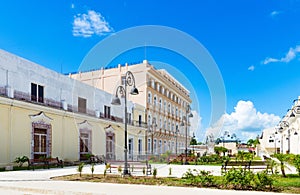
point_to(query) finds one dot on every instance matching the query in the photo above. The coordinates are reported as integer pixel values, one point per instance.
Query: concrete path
(39, 182)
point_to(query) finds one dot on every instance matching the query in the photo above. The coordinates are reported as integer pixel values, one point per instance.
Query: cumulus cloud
(245, 121)
(251, 68)
(274, 13)
(195, 123)
(92, 23)
(290, 55)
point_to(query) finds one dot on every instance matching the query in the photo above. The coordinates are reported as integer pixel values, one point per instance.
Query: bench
(132, 166)
(247, 165)
(45, 163)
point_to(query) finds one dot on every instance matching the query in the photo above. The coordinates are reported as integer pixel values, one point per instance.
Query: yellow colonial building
(44, 113)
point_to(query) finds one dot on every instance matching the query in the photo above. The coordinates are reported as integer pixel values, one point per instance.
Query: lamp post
(186, 120)
(122, 90)
(176, 135)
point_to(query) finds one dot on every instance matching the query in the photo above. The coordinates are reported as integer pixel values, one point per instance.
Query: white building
(285, 137)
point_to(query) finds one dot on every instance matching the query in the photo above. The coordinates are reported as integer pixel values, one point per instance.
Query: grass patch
(291, 184)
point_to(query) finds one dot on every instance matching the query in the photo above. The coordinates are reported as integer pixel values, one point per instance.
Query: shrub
(104, 172)
(120, 169)
(263, 181)
(199, 178)
(154, 172)
(92, 169)
(242, 179)
(296, 162)
(239, 178)
(21, 160)
(107, 166)
(80, 168)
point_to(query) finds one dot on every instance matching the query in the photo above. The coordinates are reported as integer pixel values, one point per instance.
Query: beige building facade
(165, 99)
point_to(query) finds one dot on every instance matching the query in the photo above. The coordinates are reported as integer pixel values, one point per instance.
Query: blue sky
(256, 45)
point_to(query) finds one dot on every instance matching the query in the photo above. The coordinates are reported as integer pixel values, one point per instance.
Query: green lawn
(291, 184)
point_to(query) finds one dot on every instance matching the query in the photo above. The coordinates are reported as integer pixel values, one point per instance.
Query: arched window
(154, 100)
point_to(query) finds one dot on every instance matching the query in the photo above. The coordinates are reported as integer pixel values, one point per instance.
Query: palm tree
(241, 155)
(282, 158)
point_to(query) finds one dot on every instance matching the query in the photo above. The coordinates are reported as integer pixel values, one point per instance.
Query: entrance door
(110, 146)
(40, 143)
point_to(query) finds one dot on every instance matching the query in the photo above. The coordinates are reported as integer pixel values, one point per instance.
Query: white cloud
(245, 121)
(291, 54)
(92, 23)
(195, 123)
(274, 13)
(72, 6)
(251, 68)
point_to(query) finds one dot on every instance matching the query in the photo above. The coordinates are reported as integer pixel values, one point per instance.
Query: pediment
(41, 118)
(109, 129)
(84, 125)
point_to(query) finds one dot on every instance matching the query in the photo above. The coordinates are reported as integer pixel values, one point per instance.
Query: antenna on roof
(145, 51)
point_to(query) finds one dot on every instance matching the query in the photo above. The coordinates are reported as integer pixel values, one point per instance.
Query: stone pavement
(39, 182)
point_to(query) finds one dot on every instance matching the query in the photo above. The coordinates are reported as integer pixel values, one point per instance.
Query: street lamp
(186, 120)
(122, 90)
(176, 135)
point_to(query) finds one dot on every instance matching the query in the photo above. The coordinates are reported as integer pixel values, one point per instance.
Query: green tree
(193, 141)
(241, 155)
(220, 150)
(296, 162)
(282, 158)
(248, 156)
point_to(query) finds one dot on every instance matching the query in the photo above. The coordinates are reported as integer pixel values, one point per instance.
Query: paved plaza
(39, 182)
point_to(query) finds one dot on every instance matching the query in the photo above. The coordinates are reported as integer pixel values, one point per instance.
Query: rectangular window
(123, 78)
(140, 120)
(33, 92)
(81, 105)
(160, 146)
(149, 145)
(106, 112)
(140, 147)
(129, 118)
(37, 93)
(41, 94)
(130, 146)
(84, 143)
(40, 143)
(155, 147)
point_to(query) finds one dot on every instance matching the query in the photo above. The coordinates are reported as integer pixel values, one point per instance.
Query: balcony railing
(18, 95)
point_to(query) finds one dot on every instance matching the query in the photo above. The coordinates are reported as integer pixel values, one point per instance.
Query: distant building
(285, 137)
(165, 99)
(228, 141)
